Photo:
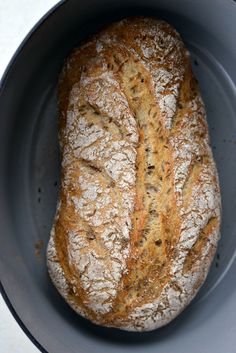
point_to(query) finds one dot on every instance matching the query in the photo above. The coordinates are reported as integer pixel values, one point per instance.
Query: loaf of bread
(137, 222)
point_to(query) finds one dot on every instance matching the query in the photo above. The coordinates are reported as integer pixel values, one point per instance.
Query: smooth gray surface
(29, 164)
(16, 19)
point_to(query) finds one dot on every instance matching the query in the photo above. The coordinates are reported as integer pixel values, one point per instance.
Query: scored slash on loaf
(138, 218)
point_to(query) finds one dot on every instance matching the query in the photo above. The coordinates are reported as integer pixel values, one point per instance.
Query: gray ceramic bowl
(29, 177)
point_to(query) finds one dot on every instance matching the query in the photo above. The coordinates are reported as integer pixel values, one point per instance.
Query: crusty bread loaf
(138, 219)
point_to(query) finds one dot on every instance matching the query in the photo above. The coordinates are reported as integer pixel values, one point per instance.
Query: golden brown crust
(139, 214)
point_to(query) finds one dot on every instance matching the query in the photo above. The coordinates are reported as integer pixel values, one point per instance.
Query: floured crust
(138, 220)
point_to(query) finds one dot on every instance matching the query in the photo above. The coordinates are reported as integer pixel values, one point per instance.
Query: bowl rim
(3, 82)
